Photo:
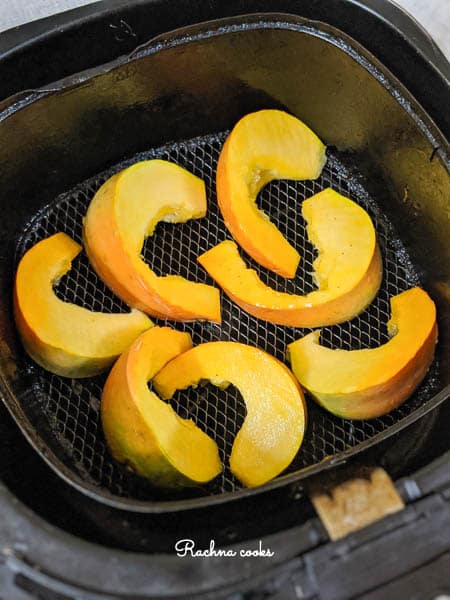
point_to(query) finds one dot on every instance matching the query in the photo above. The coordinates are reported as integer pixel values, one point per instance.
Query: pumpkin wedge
(146, 432)
(265, 145)
(348, 269)
(124, 211)
(273, 428)
(363, 384)
(64, 338)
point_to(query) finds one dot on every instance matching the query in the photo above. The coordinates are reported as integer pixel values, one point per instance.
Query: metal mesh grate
(72, 406)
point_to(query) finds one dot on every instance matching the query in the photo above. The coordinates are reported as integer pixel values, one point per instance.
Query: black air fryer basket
(176, 97)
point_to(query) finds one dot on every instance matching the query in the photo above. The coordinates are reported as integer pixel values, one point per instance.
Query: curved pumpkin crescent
(273, 428)
(123, 212)
(348, 269)
(265, 145)
(64, 338)
(363, 384)
(146, 432)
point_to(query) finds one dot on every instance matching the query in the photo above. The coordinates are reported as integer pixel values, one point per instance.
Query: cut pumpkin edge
(133, 280)
(123, 374)
(287, 267)
(336, 310)
(370, 390)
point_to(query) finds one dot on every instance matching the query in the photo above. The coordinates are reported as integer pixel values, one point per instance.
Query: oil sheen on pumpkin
(265, 145)
(126, 210)
(64, 338)
(347, 270)
(367, 383)
(145, 432)
(274, 425)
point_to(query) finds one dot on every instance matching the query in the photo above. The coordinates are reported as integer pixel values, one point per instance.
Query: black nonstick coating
(71, 407)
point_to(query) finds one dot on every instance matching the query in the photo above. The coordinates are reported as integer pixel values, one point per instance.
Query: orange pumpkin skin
(145, 432)
(347, 270)
(378, 380)
(55, 333)
(107, 256)
(105, 238)
(286, 261)
(274, 425)
(226, 267)
(289, 150)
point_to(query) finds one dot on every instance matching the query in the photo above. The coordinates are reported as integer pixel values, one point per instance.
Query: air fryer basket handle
(348, 505)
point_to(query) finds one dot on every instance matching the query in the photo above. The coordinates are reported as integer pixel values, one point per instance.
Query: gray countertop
(433, 15)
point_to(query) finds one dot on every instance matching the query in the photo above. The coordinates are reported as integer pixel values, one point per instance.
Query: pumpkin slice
(362, 384)
(265, 145)
(124, 211)
(348, 269)
(273, 428)
(146, 432)
(64, 338)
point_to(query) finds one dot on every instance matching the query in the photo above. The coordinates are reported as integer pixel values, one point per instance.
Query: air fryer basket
(176, 99)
